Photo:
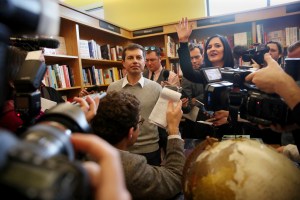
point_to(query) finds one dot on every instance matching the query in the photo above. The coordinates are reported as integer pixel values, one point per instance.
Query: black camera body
(265, 109)
(42, 164)
(257, 54)
(230, 90)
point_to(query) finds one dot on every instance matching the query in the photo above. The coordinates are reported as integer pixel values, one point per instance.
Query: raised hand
(183, 30)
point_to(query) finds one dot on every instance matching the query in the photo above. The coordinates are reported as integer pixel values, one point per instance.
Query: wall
(139, 14)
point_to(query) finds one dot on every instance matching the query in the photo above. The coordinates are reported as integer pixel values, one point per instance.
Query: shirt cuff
(174, 137)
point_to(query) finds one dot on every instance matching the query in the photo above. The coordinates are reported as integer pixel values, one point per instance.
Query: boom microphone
(166, 74)
(32, 44)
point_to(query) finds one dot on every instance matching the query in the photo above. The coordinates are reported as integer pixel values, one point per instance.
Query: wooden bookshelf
(77, 25)
(272, 18)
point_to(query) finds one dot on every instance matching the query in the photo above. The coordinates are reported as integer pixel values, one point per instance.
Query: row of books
(59, 76)
(90, 49)
(100, 76)
(285, 37)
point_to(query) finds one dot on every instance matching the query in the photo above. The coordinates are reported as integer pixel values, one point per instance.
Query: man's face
(294, 54)
(153, 61)
(134, 62)
(274, 51)
(196, 58)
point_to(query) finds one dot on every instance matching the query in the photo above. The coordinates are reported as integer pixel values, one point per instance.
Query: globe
(240, 169)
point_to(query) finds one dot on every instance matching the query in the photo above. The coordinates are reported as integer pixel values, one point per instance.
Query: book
(84, 50)
(119, 50)
(105, 51)
(158, 114)
(61, 50)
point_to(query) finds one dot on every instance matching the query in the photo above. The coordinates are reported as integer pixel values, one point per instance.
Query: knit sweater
(148, 95)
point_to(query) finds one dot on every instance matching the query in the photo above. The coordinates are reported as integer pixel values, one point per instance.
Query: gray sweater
(148, 95)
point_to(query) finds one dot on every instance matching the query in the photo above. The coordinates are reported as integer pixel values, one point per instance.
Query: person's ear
(130, 133)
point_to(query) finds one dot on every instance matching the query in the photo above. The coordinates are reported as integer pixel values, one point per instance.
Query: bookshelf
(271, 18)
(77, 25)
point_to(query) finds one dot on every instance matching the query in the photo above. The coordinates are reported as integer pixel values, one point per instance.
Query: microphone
(32, 44)
(166, 74)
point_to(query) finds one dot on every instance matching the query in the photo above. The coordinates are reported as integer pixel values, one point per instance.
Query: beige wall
(139, 14)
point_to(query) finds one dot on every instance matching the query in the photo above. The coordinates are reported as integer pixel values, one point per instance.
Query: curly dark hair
(116, 114)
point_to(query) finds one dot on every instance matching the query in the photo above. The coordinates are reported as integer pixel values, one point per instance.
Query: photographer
(272, 79)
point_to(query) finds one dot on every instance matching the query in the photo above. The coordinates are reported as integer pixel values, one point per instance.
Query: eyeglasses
(141, 121)
(151, 48)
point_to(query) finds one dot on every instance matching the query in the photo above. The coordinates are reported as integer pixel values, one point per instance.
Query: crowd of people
(124, 149)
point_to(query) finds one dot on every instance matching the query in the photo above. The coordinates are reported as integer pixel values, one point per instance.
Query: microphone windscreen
(49, 43)
(33, 44)
(166, 74)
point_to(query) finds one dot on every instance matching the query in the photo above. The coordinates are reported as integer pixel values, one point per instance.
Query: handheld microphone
(32, 44)
(166, 74)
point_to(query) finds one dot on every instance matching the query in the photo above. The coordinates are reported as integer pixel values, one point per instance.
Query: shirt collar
(141, 82)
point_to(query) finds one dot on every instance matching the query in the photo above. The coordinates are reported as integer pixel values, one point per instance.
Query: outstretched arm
(272, 79)
(184, 31)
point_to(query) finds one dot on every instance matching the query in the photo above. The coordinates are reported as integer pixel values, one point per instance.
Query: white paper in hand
(192, 115)
(158, 114)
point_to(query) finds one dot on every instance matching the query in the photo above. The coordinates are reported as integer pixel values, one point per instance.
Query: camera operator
(272, 79)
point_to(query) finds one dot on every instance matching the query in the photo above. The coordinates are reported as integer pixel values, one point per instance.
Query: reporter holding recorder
(272, 79)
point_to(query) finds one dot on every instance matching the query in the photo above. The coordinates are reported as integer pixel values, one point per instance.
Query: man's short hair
(279, 46)
(131, 47)
(116, 114)
(193, 46)
(293, 46)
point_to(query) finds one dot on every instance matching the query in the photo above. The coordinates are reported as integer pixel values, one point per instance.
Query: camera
(42, 164)
(257, 54)
(25, 17)
(226, 89)
(27, 97)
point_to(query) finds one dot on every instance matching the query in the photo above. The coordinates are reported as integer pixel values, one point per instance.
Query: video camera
(256, 53)
(42, 165)
(226, 89)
